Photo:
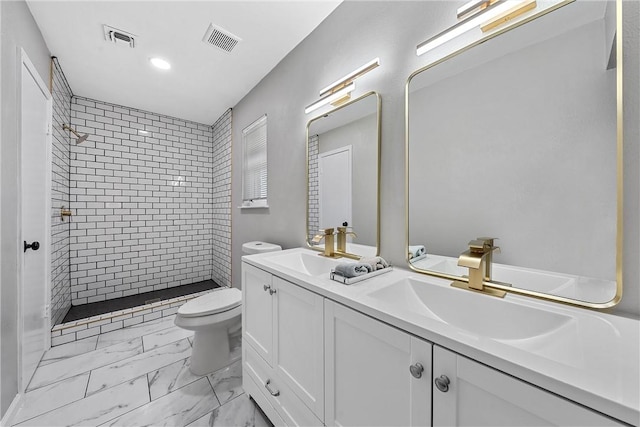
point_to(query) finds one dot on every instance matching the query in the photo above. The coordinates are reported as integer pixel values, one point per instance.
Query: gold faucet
(327, 235)
(342, 238)
(478, 259)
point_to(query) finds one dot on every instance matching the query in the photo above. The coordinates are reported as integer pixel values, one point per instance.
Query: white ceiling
(203, 81)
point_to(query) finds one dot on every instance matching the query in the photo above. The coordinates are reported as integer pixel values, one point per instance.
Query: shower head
(81, 138)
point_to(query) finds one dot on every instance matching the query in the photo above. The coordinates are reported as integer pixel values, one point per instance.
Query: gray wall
(354, 34)
(18, 30)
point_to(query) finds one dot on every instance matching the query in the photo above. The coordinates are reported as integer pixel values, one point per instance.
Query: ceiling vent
(220, 38)
(119, 37)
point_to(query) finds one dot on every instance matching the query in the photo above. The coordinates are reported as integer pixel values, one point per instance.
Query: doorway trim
(25, 63)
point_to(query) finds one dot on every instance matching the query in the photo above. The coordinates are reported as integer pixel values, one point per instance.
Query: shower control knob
(442, 382)
(35, 246)
(416, 370)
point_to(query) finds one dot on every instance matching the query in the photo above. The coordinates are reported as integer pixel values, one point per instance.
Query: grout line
(121, 415)
(213, 390)
(90, 370)
(57, 407)
(148, 386)
(86, 387)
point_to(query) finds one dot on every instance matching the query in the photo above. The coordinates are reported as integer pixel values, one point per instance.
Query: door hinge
(46, 311)
(49, 128)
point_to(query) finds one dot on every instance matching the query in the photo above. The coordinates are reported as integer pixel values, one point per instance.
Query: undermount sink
(311, 263)
(470, 311)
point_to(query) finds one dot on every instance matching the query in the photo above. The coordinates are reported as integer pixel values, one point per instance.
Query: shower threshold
(84, 311)
(127, 311)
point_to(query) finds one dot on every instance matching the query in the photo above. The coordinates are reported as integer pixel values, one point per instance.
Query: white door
(468, 393)
(35, 217)
(334, 187)
(368, 381)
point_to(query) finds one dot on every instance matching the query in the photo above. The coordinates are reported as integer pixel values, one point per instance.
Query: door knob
(442, 382)
(416, 370)
(35, 246)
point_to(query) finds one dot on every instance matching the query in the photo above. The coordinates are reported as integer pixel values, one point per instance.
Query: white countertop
(595, 361)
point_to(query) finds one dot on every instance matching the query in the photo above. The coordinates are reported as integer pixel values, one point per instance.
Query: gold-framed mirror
(343, 174)
(518, 136)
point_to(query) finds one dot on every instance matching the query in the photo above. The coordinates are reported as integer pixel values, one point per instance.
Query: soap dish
(351, 280)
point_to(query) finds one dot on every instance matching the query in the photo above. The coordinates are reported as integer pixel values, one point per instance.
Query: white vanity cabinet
(468, 393)
(283, 347)
(367, 372)
(309, 360)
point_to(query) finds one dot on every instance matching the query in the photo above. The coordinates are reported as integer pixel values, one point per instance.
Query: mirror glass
(515, 138)
(343, 149)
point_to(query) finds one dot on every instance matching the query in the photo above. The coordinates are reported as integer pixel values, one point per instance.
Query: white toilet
(213, 316)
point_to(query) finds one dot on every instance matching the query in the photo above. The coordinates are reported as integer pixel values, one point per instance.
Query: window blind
(254, 172)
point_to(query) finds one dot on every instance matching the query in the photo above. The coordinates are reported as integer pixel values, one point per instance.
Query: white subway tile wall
(142, 192)
(314, 190)
(222, 132)
(61, 141)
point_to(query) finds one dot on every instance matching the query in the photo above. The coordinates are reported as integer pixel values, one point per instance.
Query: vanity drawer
(292, 410)
(255, 391)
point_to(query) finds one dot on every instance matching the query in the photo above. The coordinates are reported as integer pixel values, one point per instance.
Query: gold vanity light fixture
(508, 15)
(339, 92)
(343, 94)
(489, 11)
(473, 7)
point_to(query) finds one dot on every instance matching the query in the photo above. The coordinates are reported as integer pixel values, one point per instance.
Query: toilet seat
(212, 303)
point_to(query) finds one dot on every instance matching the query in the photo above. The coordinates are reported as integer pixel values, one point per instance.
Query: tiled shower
(150, 197)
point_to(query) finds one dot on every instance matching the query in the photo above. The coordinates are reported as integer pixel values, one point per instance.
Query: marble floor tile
(227, 382)
(178, 408)
(47, 398)
(64, 351)
(164, 337)
(85, 362)
(134, 331)
(98, 408)
(240, 411)
(170, 378)
(141, 364)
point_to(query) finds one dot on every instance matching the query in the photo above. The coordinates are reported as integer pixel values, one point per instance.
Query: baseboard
(13, 409)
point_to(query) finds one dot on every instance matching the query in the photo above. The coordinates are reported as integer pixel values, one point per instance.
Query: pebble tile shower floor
(136, 376)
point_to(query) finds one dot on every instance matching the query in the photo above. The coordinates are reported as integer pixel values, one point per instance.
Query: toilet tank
(258, 247)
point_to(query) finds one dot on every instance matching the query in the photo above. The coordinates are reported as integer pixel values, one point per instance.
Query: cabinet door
(367, 377)
(258, 305)
(299, 354)
(481, 396)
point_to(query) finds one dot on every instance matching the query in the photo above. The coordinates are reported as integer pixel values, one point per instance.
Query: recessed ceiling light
(160, 63)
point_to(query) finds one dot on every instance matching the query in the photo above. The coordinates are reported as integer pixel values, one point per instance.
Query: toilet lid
(212, 303)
